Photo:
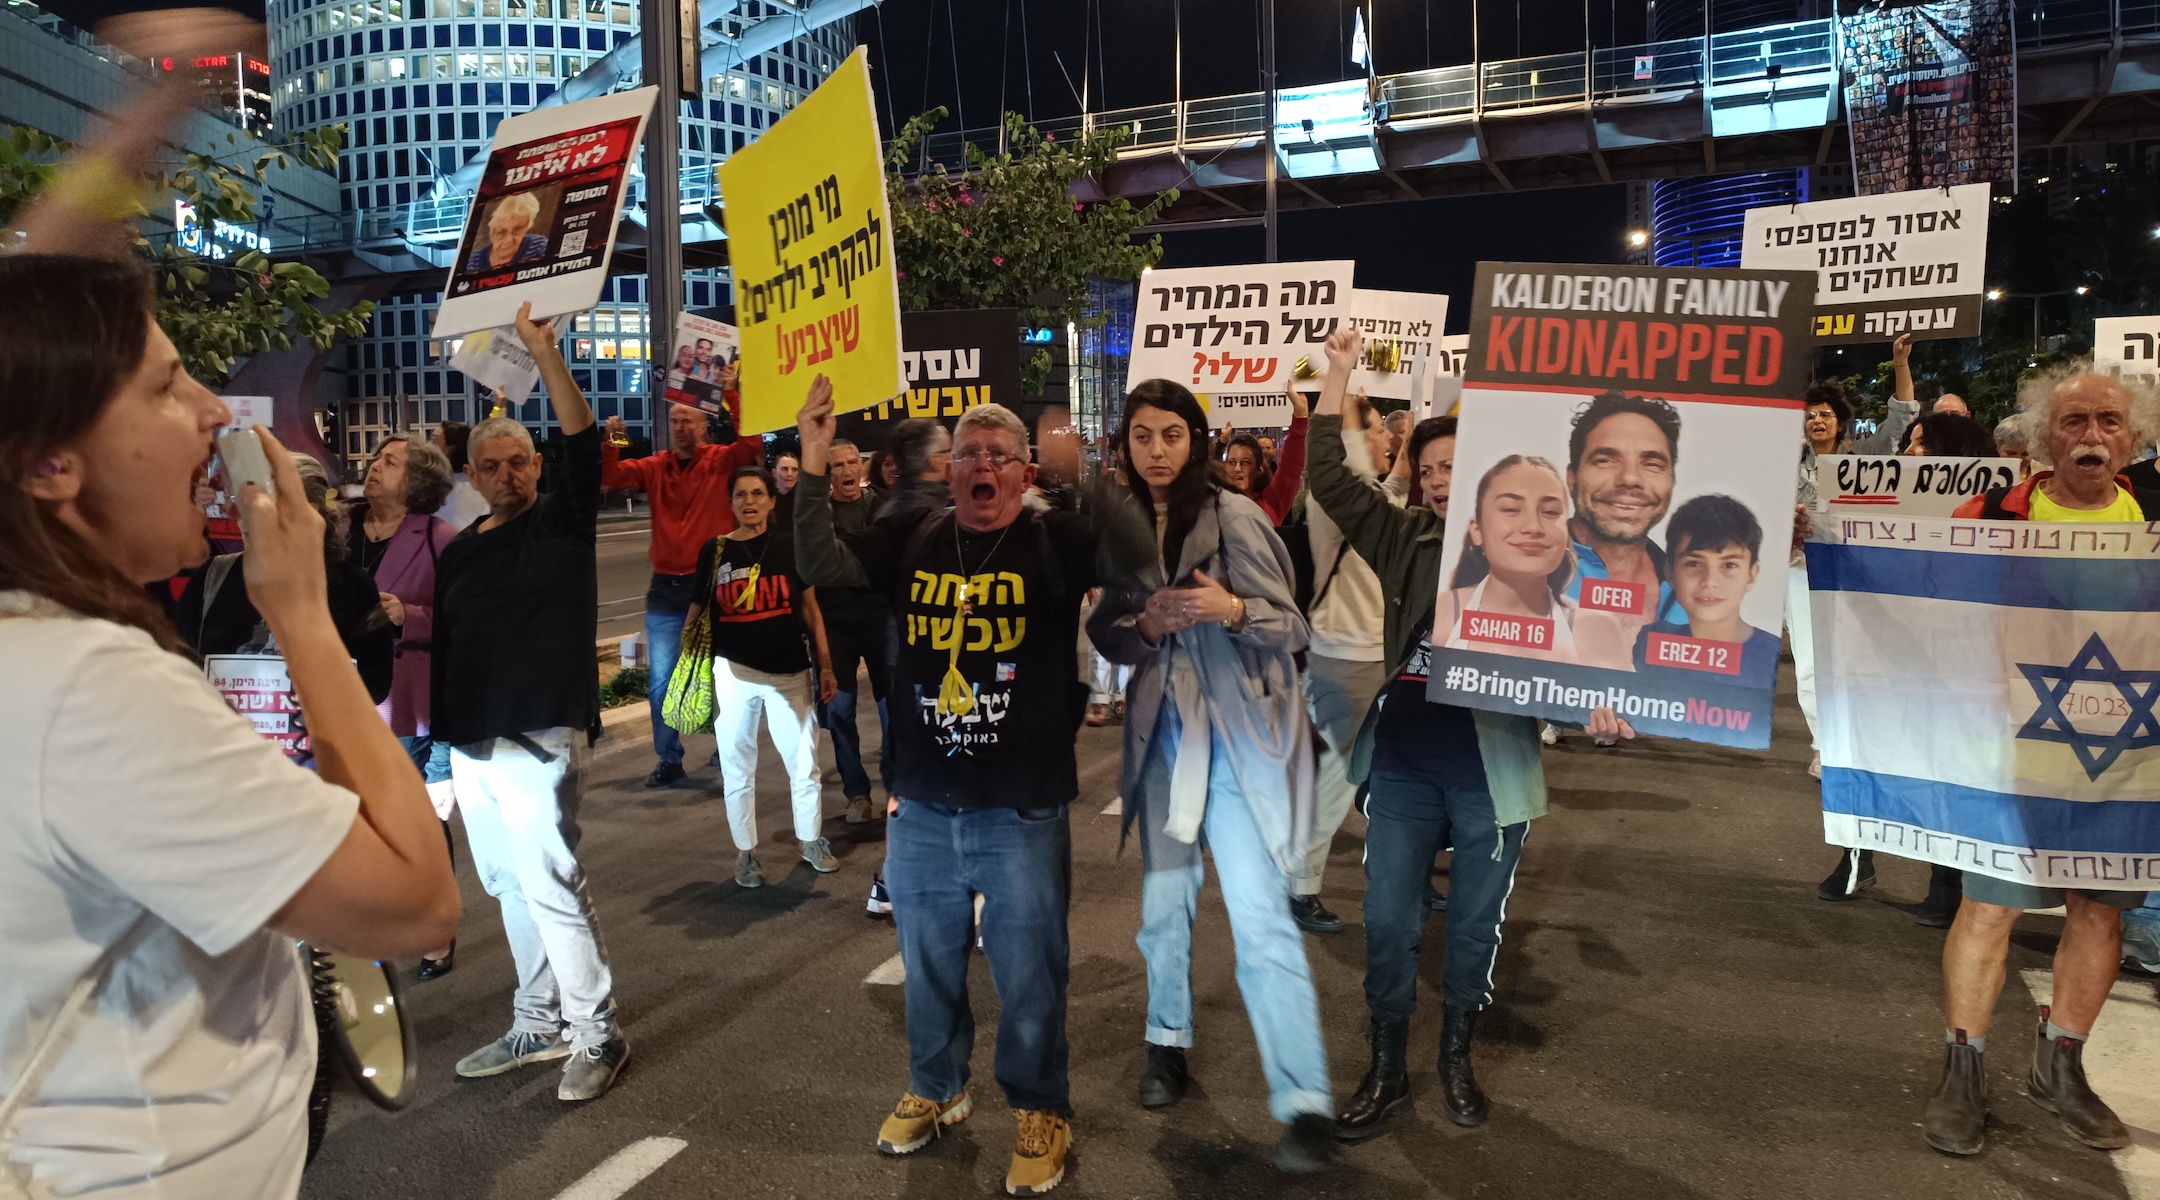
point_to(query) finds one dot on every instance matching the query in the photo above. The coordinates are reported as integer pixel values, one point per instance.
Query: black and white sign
(1907, 262)
(2126, 345)
(1905, 486)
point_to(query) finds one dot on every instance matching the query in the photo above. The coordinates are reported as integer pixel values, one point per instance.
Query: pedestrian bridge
(1752, 100)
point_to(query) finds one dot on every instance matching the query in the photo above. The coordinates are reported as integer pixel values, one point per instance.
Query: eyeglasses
(996, 460)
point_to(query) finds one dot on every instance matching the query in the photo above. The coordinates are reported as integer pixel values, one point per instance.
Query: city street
(625, 569)
(1678, 1017)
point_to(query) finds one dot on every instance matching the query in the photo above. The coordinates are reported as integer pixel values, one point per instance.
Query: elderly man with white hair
(2084, 427)
(516, 691)
(510, 237)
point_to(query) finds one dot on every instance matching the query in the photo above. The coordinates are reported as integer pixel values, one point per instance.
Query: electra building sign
(222, 239)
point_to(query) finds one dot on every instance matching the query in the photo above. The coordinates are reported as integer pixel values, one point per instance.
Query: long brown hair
(76, 331)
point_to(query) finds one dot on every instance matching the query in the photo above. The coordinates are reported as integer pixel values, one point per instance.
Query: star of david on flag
(2093, 664)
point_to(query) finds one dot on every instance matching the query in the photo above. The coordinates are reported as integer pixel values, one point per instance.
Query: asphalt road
(1678, 1017)
(625, 568)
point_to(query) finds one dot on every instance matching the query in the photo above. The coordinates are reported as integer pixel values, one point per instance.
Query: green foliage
(1007, 233)
(627, 687)
(216, 312)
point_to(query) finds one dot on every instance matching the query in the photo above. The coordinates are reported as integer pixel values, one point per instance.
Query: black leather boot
(1164, 1080)
(1458, 1083)
(1946, 892)
(2058, 1085)
(1956, 1121)
(1385, 1088)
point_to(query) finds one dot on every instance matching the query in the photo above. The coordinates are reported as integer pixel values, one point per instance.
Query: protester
(1218, 749)
(1345, 665)
(2085, 428)
(1950, 404)
(216, 615)
(464, 504)
(763, 614)
(988, 597)
(921, 457)
(686, 489)
(2011, 441)
(858, 630)
(516, 692)
(1273, 487)
(1948, 435)
(398, 545)
(1438, 775)
(786, 470)
(884, 473)
(158, 857)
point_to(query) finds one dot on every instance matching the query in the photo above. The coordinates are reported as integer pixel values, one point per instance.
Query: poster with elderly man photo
(542, 224)
(1622, 510)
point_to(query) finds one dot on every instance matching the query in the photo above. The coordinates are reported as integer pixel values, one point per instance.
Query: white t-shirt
(1349, 621)
(126, 786)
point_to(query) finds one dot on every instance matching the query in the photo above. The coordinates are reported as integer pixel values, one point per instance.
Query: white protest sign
(1905, 262)
(542, 224)
(259, 687)
(499, 359)
(1402, 335)
(249, 410)
(2125, 345)
(1916, 486)
(1234, 334)
(1443, 390)
(702, 347)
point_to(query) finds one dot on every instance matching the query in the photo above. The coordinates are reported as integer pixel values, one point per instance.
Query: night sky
(1038, 56)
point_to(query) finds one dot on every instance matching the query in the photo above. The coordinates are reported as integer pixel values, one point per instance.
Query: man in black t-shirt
(985, 701)
(516, 690)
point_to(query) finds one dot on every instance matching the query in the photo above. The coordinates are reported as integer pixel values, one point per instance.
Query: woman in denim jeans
(1439, 776)
(1218, 752)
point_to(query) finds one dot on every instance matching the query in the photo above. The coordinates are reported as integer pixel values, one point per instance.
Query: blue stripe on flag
(2033, 822)
(2011, 581)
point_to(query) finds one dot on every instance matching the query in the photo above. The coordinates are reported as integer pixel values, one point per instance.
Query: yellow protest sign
(810, 238)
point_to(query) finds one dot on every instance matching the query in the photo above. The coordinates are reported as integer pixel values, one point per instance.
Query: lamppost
(2036, 298)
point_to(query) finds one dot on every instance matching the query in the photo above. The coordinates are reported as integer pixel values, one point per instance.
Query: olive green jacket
(1403, 548)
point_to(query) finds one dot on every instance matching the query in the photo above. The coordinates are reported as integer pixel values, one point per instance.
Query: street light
(1638, 239)
(2036, 298)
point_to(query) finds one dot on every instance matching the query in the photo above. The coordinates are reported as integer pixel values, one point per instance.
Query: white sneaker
(1547, 734)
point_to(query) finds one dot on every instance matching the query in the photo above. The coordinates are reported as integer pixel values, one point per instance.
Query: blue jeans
(1411, 817)
(838, 716)
(937, 859)
(666, 602)
(1272, 972)
(431, 756)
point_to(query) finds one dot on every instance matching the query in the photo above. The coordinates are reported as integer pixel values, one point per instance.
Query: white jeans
(520, 799)
(1338, 694)
(1800, 637)
(740, 695)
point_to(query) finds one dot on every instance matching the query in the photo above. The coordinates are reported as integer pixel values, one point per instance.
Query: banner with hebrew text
(1910, 262)
(810, 238)
(1985, 694)
(1234, 335)
(1931, 92)
(954, 361)
(2126, 345)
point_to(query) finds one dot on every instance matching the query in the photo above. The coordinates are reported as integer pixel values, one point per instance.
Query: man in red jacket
(687, 490)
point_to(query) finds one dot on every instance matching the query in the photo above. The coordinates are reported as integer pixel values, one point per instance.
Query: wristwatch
(1237, 616)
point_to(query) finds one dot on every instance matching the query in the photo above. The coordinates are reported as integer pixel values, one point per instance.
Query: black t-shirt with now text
(755, 597)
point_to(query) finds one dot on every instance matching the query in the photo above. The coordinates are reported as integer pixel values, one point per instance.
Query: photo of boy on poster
(1594, 564)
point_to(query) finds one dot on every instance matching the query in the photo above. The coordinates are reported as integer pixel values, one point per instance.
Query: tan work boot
(916, 1122)
(1038, 1161)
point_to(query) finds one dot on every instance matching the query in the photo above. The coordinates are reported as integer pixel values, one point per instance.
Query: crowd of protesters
(441, 634)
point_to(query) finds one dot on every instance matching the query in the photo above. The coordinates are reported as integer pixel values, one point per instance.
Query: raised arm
(572, 413)
(1903, 410)
(825, 560)
(614, 471)
(1370, 525)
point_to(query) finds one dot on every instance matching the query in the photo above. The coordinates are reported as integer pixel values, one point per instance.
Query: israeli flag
(1986, 695)
(1360, 50)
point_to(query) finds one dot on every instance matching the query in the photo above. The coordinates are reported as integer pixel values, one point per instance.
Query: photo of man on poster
(1622, 454)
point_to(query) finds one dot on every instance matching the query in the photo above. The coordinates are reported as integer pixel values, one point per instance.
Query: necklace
(956, 697)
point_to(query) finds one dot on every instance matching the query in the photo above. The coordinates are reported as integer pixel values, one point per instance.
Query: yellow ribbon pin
(749, 588)
(955, 697)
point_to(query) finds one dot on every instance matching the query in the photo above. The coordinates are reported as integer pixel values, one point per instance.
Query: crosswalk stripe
(891, 973)
(2118, 1062)
(624, 1169)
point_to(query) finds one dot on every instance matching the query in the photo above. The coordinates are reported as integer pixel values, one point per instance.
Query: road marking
(624, 1169)
(2118, 1062)
(1117, 807)
(890, 973)
(626, 533)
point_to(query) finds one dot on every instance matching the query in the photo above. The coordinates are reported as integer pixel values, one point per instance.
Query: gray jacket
(1242, 687)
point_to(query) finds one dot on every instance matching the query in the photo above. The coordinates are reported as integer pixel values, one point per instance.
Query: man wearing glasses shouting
(985, 704)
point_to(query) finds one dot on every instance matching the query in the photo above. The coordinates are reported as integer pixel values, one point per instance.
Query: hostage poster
(1912, 262)
(1931, 93)
(542, 224)
(1234, 335)
(1625, 473)
(703, 349)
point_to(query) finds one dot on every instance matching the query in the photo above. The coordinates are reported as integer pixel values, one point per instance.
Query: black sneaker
(1946, 894)
(1313, 916)
(880, 905)
(664, 774)
(1855, 870)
